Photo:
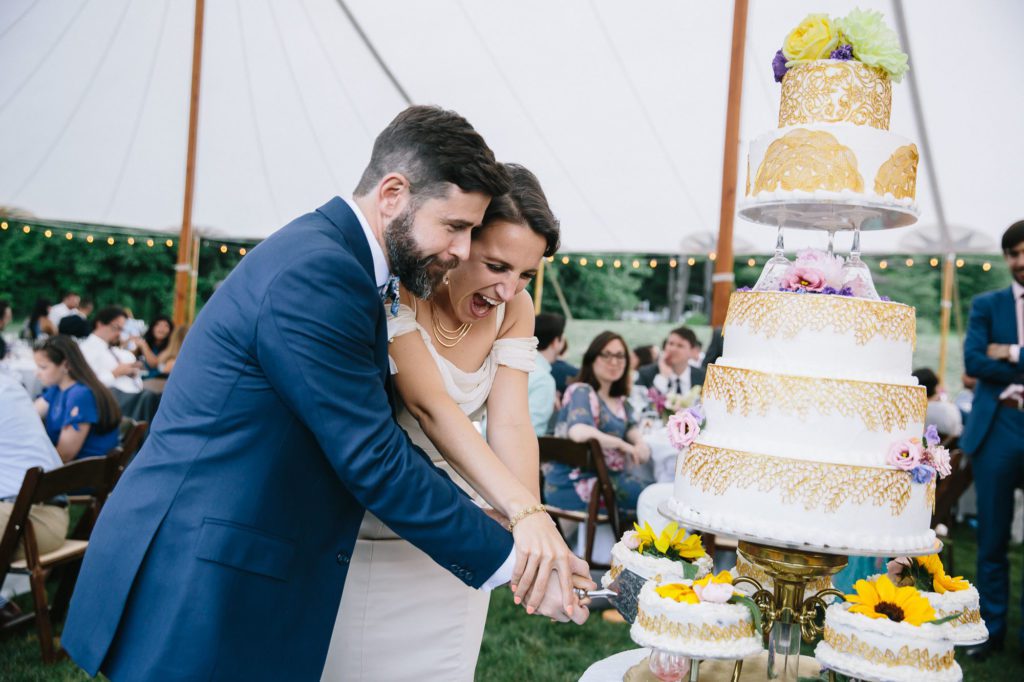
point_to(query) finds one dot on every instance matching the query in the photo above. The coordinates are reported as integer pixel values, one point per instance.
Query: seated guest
(80, 413)
(647, 355)
(945, 415)
(23, 446)
(6, 314)
(549, 329)
(673, 372)
(169, 355)
(116, 368)
(75, 326)
(38, 325)
(152, 343)
(595, 407)
(67, 305)
(562, 371)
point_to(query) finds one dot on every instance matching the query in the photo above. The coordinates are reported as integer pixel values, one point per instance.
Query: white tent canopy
(618, 107)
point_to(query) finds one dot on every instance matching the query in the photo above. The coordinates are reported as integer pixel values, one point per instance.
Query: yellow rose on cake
(814, 38)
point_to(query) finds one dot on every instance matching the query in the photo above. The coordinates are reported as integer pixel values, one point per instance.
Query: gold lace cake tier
(832, 91)
(967, 616)
(815, 485)
(660, 625)
(808, 160)
(881, 407)
(898, 175)
(749, 570)
(780, 313)
(920, 659)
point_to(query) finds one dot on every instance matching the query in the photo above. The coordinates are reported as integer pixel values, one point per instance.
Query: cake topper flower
(813, 38)
(716, 589)
(926, 573)
(874, 43)
(684, 427)
(879, 598)
(905, 454)
(672, 542)
(924, 458)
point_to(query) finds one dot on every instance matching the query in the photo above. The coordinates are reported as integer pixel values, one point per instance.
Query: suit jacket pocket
(245, 548)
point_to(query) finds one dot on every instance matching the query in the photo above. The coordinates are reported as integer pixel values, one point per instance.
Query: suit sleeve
(317, 341)
(979, 334)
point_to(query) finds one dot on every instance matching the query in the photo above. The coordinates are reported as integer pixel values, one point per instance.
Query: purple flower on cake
(744, 289)
(922, 473)
(938, 457)
(684, 427)
(631, 539)
(931, 435)
(779, 66)
(843, 53)
(715, 593)
(803, 277)
(905, 454)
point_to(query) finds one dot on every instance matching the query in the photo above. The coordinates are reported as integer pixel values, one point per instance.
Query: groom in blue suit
(223, 552)
(994, 433)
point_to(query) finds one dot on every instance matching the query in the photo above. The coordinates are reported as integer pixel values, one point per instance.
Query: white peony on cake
(698, 619)
(813, 430)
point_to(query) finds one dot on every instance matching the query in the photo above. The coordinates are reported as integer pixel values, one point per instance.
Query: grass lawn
(518, 647)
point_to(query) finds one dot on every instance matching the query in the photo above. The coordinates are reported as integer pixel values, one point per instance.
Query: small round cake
(702, 630)
(881, 649)
(637, 551)
(969, 628)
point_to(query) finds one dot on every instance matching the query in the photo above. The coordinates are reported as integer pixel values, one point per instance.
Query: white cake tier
(826, 420)
(660, 569)
(880, 649)
(821, 336)
(704, 630)
(877, 510)
(832, 161)
(969, 628)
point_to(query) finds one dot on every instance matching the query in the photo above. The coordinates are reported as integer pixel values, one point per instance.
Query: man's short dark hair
(928, 379)
(547, 327)
(1013, 236)
(4, 305)
(432, 147)
(109, 314)
(685, 333)
(74, 325)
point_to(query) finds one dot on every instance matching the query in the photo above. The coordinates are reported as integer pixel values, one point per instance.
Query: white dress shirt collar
(381, 272)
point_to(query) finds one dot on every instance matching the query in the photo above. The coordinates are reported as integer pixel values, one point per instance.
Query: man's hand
(999, 351)
(127, 368)
(552, 603)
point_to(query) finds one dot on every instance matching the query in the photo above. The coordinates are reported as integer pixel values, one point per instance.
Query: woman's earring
(445, 280)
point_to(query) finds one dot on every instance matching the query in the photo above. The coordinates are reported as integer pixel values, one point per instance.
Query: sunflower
(941, 582)
(678, 592)
(723, 578)
(881, 599)
(671, 540)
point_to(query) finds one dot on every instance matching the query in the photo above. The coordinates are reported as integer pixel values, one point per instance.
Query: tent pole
(724, 277)
(539, 289)
(193, 289)
(946, 306)
(560, 296)
(183, 270)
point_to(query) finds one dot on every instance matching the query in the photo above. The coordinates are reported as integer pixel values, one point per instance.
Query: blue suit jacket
(223, 551)
(993, 319)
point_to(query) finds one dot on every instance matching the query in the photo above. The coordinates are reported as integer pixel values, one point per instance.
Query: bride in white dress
(465, 352)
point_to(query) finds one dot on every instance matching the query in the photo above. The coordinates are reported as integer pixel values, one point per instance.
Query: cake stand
(830, 215)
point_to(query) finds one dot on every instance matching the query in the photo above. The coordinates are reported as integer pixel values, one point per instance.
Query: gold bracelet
(523, 513)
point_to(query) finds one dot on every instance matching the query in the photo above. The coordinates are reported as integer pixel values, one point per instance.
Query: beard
(421, 275)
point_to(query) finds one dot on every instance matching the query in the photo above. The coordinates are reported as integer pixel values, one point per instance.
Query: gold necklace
(442, 333)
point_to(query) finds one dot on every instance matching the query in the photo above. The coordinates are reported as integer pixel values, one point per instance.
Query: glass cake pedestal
(829, 215)
(787, 615)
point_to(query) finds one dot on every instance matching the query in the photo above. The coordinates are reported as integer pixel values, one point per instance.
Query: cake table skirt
(613, 668)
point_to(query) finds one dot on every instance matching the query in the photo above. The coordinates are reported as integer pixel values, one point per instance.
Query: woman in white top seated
(465, 351)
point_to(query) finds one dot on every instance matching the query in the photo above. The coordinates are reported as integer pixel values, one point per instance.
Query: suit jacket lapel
(1005, 330)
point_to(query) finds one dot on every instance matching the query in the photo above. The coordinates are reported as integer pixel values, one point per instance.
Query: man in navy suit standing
(994, 433)
(223, 552)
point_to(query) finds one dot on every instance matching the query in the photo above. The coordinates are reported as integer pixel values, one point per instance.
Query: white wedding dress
(402, 616)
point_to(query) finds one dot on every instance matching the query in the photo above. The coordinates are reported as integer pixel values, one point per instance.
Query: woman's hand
(540, 550)
(641, 452)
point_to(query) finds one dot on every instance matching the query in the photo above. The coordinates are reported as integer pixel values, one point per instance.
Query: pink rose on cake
(631, 539)
(684, 427)
(830, 266)
(803, 277)
(905, 454)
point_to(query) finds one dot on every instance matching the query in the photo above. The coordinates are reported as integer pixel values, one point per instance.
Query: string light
(110, 240)
(617, 263)
(636, 264)
(241, 252)
(712, 256)
(68, 236)
(169, 243)
(691, 261)
(934, 262)
(599, 263)
(26, 229)
(959, 262)
(89, 238)
(654, 263)
(223, 248)
(986, 266)
(883, 264)
(910, 262)
(131, 241)
(3, 225)
(551, 259)
(751, 262)
(583, 262)
(149, 243)
(48, 234)
(565, 260)
(673, 263)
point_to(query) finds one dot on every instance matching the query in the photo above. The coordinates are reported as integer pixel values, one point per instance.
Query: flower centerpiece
(948, 595)
(668, 404)
(861, 35)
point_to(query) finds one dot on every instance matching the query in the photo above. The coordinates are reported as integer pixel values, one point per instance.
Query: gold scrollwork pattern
(808, 160)
(661, 625)
(920, 659)
(815, 485)
(774, 313)
(615, 571)
(967, 616)
(898, 175)
(881, 407)
(829, 91)
(749, 570)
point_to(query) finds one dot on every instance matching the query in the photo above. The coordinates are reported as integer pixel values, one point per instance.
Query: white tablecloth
(663, 455)
(612, 669)
(21, 363)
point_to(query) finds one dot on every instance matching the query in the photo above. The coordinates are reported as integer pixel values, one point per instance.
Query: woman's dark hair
(928, 379)
(624, 383)
(525, 204)
(154, 345)
(41, 308)
(62, 348)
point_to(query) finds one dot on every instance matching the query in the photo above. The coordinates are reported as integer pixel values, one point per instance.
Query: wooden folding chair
(132, 435)
(38, 487)
(587, 457)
